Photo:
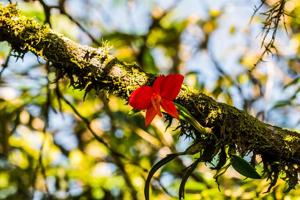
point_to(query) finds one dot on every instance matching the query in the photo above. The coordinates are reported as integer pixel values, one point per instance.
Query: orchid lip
(155, 100)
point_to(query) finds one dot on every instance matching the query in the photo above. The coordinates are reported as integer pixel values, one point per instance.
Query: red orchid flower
(163, 92)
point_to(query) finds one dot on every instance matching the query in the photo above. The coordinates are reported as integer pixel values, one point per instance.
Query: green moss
(26, 32)
(290, 138)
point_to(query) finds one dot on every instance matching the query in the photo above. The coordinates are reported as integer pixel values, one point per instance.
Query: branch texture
(93, 68)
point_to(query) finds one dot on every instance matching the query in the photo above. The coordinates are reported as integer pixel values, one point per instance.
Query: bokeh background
(47, 147)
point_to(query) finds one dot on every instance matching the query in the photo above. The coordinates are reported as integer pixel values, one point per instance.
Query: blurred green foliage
(47, 149)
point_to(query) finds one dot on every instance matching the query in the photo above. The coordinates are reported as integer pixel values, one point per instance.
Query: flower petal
(170, 86)
(140, 98)
(157, 83)
(150, 114)
(169, 107)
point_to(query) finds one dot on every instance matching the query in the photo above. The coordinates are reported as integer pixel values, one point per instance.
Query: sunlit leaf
(133, 112)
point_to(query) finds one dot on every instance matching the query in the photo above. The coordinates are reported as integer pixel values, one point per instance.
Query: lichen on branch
(87, 68)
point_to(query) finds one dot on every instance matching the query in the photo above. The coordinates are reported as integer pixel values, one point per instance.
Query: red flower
(162, 93)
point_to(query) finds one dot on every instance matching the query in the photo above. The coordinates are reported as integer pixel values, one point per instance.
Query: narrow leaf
(243, 167)
(189, 170)
(185, 115)
(156, 167)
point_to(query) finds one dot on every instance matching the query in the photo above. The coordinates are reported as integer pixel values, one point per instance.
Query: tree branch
(94, 68)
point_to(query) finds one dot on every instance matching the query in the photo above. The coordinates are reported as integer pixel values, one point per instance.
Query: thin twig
(47, 12)
(274, 15)
(5, 64)
(63, 11)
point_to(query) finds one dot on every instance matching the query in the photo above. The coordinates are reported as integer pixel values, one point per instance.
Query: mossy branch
(93, 68)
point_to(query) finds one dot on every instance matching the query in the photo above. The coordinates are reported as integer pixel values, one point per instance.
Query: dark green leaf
(189, 170)
(156, 167)
(243, 167)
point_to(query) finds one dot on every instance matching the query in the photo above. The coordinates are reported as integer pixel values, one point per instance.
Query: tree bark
(94, 68)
